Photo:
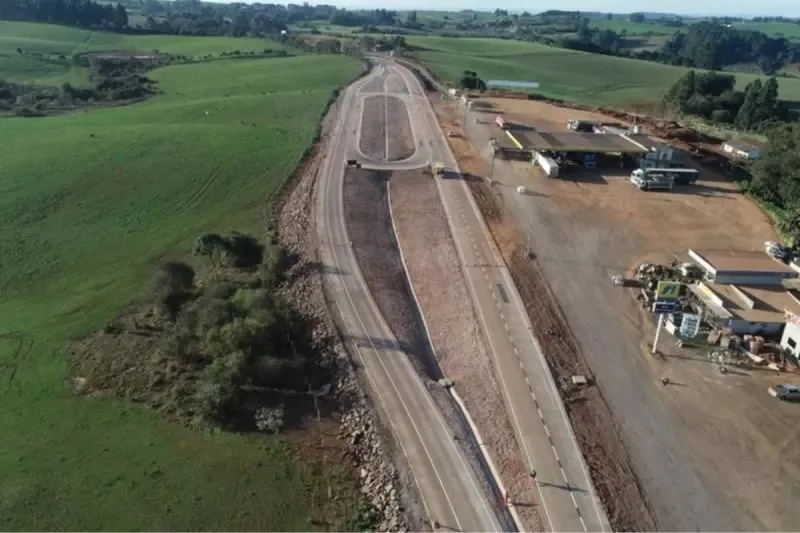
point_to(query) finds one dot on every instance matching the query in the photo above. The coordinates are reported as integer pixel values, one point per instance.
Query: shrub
(219, 390)
(172, 284)
(270, 419)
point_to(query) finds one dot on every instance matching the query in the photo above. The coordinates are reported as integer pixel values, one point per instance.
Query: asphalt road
(537, 415)
(445, 480)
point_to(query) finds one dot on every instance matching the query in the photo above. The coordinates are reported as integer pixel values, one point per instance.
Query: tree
(776, 173)
(681, 91)
(637, 17)
(120, 16)
(748, 112)
(766, 103)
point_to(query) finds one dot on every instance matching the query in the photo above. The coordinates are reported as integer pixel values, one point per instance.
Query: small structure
(742, 268)
(742, 149)
(790, 341)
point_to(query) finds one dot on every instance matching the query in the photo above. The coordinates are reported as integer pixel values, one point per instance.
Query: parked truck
(648, 180)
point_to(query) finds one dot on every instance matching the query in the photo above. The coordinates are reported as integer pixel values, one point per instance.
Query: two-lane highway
(447, 484)
(535, 409)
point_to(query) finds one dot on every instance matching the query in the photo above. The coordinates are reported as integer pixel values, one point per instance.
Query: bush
(172, 284)
(219, 390)
(270, 419)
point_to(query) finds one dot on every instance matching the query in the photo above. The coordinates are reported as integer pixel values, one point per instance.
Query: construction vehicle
(437, 169)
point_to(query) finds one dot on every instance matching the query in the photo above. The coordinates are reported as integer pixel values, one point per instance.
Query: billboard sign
(668, 291)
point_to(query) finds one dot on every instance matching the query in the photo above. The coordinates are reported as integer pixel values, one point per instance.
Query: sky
(735, 8)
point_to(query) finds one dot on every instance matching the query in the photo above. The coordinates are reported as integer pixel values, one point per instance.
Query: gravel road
(401, 144)
(372, 141)
(370, 229)
(435, 271)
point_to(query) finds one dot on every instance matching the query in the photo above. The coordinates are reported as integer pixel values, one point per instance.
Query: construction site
(683, 435)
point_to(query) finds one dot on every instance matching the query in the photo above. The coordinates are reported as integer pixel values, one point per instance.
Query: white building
(748, 309)
(728, 267)
(790, 340)
(741, 149)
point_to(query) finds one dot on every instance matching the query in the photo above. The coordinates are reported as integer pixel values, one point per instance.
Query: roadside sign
(690, 326)
(668, 291)
(664, 307)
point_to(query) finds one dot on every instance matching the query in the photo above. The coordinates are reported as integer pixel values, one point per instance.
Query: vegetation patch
(225, 351)
(117, 193)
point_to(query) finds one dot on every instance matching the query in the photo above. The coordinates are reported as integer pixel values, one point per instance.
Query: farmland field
(52, 41)
(90, 203)
(566, 74)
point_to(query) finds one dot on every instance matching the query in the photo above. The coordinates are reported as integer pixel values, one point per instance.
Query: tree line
(85, 13)
(714, 46)
(711, 95)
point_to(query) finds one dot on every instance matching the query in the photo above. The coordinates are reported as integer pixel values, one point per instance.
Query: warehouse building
(730, 267)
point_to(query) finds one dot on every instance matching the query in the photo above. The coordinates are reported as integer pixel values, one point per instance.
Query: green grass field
(574, 76)
(90, 203)
(52, 41)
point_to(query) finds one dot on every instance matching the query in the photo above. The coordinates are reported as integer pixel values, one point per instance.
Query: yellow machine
(438, 169)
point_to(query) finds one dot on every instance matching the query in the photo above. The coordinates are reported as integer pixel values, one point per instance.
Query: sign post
(658, 333)
(666, 301)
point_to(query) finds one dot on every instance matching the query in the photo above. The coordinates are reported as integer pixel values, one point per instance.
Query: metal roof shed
(729, 267)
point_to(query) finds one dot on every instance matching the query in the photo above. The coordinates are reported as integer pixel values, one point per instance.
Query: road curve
(449, 489)
(540, 422)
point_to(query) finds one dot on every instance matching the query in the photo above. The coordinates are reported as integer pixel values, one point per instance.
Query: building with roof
(731, 267)
(748, 309)
(741, 149)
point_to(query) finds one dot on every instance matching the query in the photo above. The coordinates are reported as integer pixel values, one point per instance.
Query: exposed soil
(592, 421)
(395, 84)
(369, 227)
(435, 271)
(372, 141)
(401, 144)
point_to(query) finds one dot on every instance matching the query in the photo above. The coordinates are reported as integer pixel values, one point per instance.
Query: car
(787, 393)
(618, 280)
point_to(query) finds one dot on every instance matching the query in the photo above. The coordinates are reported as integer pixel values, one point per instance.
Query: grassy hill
(566, 74)
(51, 42)
(90, 202)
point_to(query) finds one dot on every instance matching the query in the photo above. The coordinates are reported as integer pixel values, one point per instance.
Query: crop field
(51, 41)
(566, 74)
(90, 203)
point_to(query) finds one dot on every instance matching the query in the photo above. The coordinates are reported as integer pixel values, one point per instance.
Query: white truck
(652, 181)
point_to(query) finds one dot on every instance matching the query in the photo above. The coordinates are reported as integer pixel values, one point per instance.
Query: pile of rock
(379, 481)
